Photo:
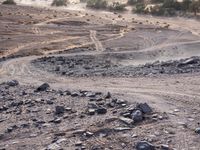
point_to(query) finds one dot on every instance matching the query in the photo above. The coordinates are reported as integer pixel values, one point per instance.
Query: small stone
(91, 111)
(53, 146)
(197, 130)
(91, 95)
(79, 143)
(89, 134)
(137, 116)
(119, 129)
(101, 110)
(57, 120)
(59, 110)
(68, 109)
(126, 120)
(108, 95)
(13, 83)
(145, 108)
(74, 94)
(176, 110)
(43, 87)
(144, 145)
(49, 102)
(165, 147)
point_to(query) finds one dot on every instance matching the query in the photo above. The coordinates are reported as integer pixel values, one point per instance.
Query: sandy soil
(28, 33)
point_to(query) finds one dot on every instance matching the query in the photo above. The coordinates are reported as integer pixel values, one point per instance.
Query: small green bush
(97, 4)
(9, 2)
(139, 8)
(116, 6)
(59, 3)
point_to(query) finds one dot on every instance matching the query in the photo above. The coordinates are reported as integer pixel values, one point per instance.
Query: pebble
(137, 116)
(144, 145)
(59, 110)
(101, 110)
(43, 87)
(127, 121)
(197, 130)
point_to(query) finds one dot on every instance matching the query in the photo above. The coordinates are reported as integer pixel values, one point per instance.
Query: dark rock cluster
(104, 65)
(65, 118)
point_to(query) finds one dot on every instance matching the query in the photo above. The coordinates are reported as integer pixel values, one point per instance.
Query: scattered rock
(101, 110)
(197, 130)
(43, 87)
(137, 116)
(59, 110)
(91, 111)
(145, 108)
(13, 83)
(119, 129)
(144, 145)
(165, 147)
(127, 121)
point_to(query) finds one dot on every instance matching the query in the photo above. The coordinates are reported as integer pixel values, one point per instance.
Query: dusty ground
(125, 40)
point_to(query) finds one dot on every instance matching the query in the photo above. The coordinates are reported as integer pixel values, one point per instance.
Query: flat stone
(197, 130)
(101, 110)
(13, 83)
(127, 121)
(43, 87)
(53, 146)
(119, 129)
(144, 145)
(59, 110)
(165, 147)
(91, 111)
(137, 116)
(145, 108)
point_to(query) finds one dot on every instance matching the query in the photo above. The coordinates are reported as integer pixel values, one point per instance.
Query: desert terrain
(110, 81)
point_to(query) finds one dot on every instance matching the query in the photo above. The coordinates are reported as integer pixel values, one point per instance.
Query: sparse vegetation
(165, 7)
(59, 3)
(116, 6)
(97, 4)
(9, 2)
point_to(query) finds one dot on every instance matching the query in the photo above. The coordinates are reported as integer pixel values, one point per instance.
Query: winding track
(165, 93)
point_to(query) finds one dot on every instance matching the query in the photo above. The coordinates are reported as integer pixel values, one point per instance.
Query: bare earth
(28, 33)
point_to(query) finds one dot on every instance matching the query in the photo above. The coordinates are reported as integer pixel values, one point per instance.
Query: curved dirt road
(165, 93)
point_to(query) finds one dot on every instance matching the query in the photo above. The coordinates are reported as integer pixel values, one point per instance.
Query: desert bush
(97, 4)
(133, 2)
(195, 7)
(9, 2)
(116, 6)
(139, 8)
(59, 3)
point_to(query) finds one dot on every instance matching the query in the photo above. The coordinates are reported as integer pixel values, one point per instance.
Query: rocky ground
(43, 118)
(96, 80)
(106, 66)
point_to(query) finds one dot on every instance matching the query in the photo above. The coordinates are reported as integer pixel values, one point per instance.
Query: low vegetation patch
(165, 7)
(9, 2)
(59, 3)
(97, 4)
(116, 6)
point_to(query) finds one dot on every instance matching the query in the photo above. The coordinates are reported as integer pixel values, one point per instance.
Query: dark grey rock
(43, 87)
(145, 108)
(91, 111)
(101, 110)
(108, 95)
(137, 116)
(144, 145)
(13, 83)
(127, 121)
(197, 130)
(165, 147)
(59, 110)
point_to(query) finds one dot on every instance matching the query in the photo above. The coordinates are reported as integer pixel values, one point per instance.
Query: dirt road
(166, 93)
